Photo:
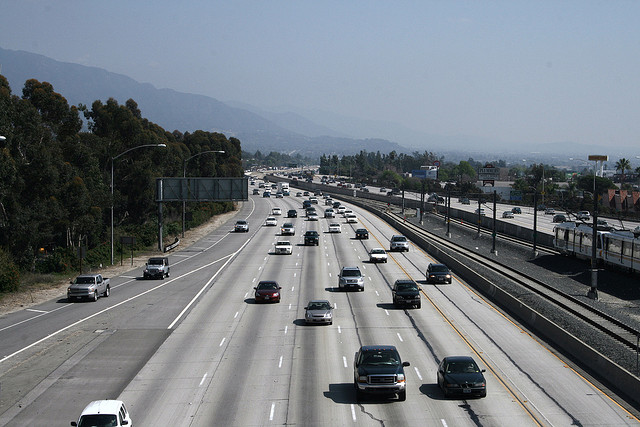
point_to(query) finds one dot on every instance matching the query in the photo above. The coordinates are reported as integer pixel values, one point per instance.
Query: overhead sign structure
(202, 189)
(198, 190)
(598, 158)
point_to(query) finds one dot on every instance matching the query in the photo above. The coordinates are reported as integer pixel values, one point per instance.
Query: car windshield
(319, 306)
(241, 222)
(462, 367)
(155, 261)
(400, 239)
(85, 280)
(268, 286)
(378, 251)
(407, 287)
(351, 273)
(380, 357)
(283, 243)
(439, 268)
(99, 420)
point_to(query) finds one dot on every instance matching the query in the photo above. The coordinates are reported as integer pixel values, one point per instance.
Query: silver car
(351, 278)
(319, 311)
(399, 243)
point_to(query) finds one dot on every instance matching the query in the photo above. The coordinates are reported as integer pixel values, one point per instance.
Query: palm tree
(622, 165)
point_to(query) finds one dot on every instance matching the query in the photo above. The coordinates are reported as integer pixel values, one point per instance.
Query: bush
(9, 275)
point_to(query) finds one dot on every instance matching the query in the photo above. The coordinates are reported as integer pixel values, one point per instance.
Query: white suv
(104, 413)
(399, 243)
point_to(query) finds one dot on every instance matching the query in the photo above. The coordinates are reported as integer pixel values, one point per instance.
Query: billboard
(202, 189)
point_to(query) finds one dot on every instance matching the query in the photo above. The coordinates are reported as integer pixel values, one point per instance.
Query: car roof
(377, 347)
(459, 359)
(319, 300)
(102, 407)
(351, 268)
(406, 281)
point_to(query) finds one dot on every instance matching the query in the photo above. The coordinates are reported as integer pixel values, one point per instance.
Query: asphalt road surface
(195, 349)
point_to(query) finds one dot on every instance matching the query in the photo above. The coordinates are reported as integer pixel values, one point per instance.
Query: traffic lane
(505, 337)
(73, 331)
(212, 325)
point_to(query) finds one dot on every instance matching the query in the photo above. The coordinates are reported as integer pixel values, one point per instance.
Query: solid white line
(193, 300)
(53, 334)
(418, 373)
(273, 408)
(203, 378)
(353, 412)
(36, 311)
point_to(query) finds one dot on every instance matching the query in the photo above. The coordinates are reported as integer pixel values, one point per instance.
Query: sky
(524, 72)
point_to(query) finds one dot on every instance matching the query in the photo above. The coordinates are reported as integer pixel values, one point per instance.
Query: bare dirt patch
(20, 300)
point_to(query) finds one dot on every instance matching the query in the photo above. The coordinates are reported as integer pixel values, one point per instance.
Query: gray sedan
(319, 311)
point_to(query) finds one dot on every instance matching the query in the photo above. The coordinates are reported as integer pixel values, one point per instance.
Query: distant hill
(173, 110)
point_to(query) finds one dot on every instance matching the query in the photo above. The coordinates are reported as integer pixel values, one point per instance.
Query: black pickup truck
(377, 369)
(311, 237)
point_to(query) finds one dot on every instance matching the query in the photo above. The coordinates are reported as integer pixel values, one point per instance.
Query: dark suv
(377, 369)
(311, 237)
(406, 293)
(438, 273)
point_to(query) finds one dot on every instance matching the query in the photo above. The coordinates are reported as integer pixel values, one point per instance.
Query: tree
(623, 165)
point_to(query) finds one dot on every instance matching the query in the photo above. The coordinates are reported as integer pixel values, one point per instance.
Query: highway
(196, 350)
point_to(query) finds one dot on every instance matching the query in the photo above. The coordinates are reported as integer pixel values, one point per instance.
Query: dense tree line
(55, 175)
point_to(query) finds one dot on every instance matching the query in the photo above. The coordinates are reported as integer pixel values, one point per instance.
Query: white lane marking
(206, 285)
(236, 315)
(280, 362)
(444, 423)
(202, 380)
(344, 361)
(400, 337)
(273, 409)
(254, 279)
(295, 274)
(353, 412)
(339, 330)
(335, 305)
(290, 305)
(36, 311)
(129, 277)
(386, 312)
(292, 288)
(246, 295)
(418, 373)
(330, 275)
(53, 334)
(377, 294)
(286, 328)
(222, 342)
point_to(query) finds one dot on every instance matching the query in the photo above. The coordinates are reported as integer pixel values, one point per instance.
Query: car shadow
(341, 393)
(333, 289)
(388, 306)
(432, 391)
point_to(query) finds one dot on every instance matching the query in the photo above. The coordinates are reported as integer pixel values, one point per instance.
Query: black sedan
(438, 273)
(292, 213)
(460, 375)
(362, 233)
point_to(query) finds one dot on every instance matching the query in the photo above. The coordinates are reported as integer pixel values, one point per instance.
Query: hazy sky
(520, 71)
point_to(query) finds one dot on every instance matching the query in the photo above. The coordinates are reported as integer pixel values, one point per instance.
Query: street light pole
(112, 161)
(593, 291)
(184, 175)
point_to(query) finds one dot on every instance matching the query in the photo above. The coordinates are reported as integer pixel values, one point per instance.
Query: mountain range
(284, 129)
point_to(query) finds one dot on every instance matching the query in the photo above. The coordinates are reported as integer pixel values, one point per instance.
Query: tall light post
(184, 175)
(112, 160)
(593, 291)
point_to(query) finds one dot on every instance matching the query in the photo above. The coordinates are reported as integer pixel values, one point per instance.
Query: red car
(267, 291)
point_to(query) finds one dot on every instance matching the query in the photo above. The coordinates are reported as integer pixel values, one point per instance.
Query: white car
(334, 227)
(312, 217)
(507, 214)
(329, 213)
(104, 413)
(377, 255)
(288, 229)
(583, 215)
(341, 209)
(351, 218)
(346, 212)
(271, 221)
(284, 247)
(276, 211)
